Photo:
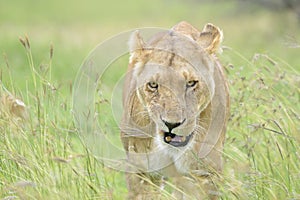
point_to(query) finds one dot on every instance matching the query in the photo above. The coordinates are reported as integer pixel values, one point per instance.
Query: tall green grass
(42, 157)
(262, 147)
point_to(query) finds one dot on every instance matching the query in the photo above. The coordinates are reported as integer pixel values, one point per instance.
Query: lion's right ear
(136, 47)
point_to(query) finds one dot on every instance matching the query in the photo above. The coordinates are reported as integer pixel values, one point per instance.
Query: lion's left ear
(210, 38)
(136, 47)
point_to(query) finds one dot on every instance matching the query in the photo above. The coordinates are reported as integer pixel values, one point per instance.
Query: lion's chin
(176, 140)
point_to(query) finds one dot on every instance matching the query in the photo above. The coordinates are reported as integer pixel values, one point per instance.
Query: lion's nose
(172, 125)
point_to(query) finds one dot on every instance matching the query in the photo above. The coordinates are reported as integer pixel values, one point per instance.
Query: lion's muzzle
(176, 140)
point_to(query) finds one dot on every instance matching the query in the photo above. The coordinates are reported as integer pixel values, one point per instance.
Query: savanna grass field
(44, 43)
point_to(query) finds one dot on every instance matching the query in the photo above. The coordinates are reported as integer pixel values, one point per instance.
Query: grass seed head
(13, 106)
(27, 41)
(22, 42)
(51, 51)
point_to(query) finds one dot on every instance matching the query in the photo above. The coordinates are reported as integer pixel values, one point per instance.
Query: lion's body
(176, 105)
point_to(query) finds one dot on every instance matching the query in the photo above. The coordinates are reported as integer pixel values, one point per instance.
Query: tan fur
(175, 77)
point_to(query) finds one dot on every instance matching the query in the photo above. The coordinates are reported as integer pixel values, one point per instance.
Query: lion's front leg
(196, 186)
(143, 186)
(141, 183)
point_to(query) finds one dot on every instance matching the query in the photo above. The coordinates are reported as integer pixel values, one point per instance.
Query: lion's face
(173, 97)
(172, 82)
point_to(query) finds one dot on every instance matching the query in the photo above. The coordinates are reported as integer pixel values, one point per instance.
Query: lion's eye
(152, 85)
(191, 83)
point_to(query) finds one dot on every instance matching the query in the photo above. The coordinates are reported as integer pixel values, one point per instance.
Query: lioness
(176, 105)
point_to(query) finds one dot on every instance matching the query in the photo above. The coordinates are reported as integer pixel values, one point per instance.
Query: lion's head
(171, 81)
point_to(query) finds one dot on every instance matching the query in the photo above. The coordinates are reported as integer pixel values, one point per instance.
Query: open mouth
(176, 140)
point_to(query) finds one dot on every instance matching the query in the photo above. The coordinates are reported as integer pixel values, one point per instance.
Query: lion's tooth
(183, 138)
(168, 138)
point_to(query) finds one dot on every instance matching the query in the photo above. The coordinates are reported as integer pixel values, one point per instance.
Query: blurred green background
(75, 28)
